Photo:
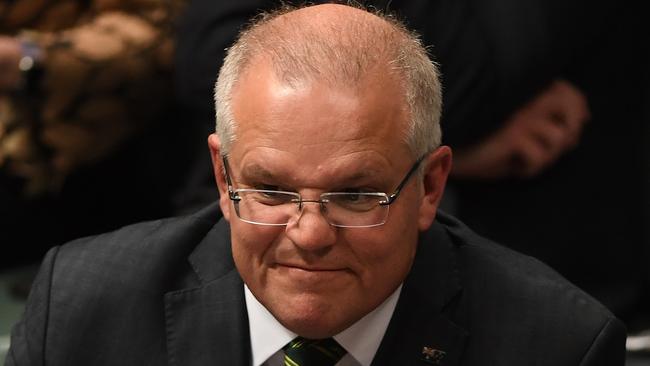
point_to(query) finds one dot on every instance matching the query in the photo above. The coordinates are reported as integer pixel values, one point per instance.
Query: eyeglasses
(340, 209)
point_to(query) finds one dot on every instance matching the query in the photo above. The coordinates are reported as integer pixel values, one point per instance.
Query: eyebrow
(255, 171)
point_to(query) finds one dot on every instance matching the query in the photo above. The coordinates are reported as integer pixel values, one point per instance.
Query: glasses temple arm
(393, 196)
(231, 192)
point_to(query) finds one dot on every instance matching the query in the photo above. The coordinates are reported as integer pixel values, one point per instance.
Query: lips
(311, 268)
(322, 275)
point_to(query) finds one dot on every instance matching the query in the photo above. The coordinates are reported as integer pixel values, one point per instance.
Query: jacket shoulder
(99, 297)
(511, 301)
(143, 253)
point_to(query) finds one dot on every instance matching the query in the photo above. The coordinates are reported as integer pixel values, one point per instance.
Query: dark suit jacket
(132, 297)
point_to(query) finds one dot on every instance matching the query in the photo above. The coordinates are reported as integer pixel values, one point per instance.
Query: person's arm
(531, 140)
(29, 335)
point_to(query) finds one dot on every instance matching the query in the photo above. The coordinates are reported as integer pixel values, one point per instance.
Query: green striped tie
(310, 352)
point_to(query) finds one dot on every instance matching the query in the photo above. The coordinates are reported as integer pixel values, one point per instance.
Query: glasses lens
(342, 209)
(266, 207)
(348, 209)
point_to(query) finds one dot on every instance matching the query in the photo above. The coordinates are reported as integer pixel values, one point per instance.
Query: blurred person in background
(85, 103)
(566, 167)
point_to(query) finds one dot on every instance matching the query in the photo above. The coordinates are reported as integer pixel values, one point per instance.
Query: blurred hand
(531, 140)
(10, 54)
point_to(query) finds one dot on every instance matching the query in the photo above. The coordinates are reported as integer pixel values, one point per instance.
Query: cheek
(253, 237)
(384, 258)
(250, 247)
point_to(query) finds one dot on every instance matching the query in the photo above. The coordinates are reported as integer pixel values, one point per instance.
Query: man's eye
(271, 194)
(351, 197)
(355, 192)
(355, 201)
(271, 197)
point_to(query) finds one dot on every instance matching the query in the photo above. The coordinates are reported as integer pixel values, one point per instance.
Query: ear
(436, 170)
(219, 175)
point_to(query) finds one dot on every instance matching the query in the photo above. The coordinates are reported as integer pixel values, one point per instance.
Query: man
(330, 173)
(512, 114)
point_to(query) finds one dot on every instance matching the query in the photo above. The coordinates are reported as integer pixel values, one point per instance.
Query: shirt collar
(361, 339)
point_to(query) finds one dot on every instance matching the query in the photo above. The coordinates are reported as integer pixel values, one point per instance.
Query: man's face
(317, 279)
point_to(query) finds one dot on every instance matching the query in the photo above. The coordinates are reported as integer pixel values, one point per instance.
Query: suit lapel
(208, 325)
(420, 331)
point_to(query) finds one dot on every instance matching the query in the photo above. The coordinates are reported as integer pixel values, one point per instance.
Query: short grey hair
(359, 45)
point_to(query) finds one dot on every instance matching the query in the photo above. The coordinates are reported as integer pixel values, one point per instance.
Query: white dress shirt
(361, 339)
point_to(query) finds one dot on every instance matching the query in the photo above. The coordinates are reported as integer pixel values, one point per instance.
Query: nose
(310, 230)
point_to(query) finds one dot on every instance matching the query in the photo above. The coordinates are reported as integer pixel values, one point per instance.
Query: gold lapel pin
(432, 355)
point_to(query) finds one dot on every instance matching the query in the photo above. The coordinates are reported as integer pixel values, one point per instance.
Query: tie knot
(312, 352)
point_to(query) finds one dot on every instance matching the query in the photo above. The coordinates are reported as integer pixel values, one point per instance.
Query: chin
(311, 317)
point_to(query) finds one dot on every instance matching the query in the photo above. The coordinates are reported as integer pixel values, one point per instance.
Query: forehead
(314, 123)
